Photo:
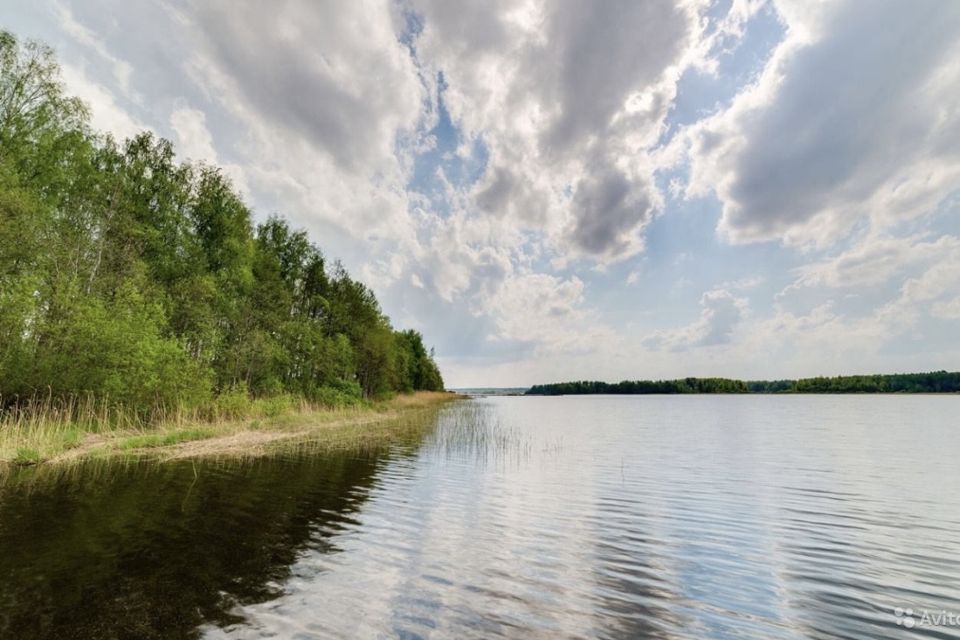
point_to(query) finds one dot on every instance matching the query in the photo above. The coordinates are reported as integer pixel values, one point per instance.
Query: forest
(140, 280)
(932, 382)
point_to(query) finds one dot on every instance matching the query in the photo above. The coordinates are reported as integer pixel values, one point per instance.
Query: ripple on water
(660, 517)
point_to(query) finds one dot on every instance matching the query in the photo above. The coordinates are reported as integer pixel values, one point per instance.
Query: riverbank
(928, 382)
(62, 442)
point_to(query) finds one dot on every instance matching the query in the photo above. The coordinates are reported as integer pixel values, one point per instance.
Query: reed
(44, 428)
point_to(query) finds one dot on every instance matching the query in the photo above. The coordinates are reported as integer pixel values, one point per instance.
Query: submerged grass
(48, 431)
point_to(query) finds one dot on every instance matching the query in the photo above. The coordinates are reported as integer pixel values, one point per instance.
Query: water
(619, 517)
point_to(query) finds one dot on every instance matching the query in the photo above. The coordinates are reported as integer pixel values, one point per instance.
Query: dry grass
(50, 432)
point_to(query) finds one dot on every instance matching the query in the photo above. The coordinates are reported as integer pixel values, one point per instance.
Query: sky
(559, 189)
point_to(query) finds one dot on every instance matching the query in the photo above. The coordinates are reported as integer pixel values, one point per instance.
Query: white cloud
(318, 110)
(105, 114)
(333, 75)
(547, 311)
(874, 261)
(848, 122)
(122, 70)
(748, 282)
(721, 315)
(824, 335)
(947, 309)
(194, 141)
(933, 292)
(568, 100)
(329, 101)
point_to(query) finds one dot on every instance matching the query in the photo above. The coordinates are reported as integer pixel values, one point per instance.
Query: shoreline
(250, 436)
(730, 393)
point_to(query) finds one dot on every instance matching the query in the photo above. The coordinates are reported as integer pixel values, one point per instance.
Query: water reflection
(147, 551)
(633, 590)
(652, 517)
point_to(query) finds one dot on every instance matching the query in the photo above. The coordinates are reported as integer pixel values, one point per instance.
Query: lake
(518, 517)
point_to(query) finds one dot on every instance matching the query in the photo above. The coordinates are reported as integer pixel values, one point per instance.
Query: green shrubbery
(144, 281)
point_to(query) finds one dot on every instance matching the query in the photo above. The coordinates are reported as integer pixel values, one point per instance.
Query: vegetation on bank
(141, 285)
(932, 382)
(73, 432)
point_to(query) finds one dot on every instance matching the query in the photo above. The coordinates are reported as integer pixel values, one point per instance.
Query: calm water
(620, 517)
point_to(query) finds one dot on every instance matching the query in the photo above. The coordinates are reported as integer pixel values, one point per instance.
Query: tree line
(932, 382)
(134, 277)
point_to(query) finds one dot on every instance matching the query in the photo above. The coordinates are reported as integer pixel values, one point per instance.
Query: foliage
(933, 382)
(636, 387)
(143, 281)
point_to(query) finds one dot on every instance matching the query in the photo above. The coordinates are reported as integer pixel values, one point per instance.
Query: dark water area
(148, 551)
(517, 517)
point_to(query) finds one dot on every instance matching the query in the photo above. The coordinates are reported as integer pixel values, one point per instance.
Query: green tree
(141, 280)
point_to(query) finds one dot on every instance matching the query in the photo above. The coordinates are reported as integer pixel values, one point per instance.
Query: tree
(136, 278)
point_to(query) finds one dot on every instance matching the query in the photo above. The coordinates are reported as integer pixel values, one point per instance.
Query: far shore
(924, 382)
(310, 426)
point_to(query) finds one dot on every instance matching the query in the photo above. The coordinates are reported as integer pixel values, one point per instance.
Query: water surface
(618, 517)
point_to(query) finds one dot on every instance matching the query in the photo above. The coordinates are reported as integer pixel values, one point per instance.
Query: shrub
(233, 403)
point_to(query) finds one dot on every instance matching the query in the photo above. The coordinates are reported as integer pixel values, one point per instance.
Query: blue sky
(553, 190)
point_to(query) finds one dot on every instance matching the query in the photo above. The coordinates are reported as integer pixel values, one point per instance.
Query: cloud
(326, 108)
(605, 59)
(546, 312)
(931, 293)
(194, 141)
(106, 114)
(874, 261)
(947, 309)
(720, 317)
(607, 209)
(567, 101)
(849, 122)
(122, 70)
(478, 266)
(748, 282)
(566, 120)
(334, 75)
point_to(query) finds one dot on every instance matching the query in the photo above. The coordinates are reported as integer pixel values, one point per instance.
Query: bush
(273, 406)
(233, 403)
(335, 398)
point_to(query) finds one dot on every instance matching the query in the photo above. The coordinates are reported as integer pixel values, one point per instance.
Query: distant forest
(933, 382)
(138, 279)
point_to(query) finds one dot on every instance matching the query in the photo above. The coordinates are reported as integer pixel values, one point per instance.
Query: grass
(26, 455)
(165, 439)
(48, 431)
